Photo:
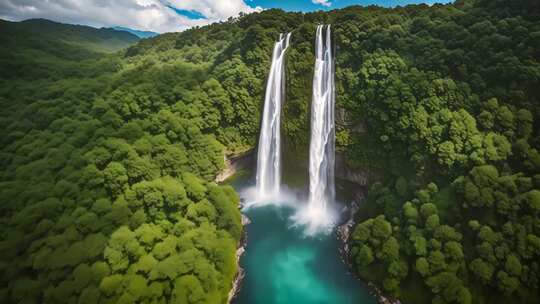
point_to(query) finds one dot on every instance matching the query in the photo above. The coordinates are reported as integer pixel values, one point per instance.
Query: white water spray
(322, 144)
(269, 153)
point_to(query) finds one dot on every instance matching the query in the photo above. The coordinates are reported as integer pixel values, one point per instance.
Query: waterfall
(322, 144)
(269, 153)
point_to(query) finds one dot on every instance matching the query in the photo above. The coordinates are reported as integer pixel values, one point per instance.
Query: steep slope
(98, 40)
(138, 33)
(106, 181)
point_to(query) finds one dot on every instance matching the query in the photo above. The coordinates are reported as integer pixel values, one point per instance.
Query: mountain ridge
(94, 39)
(138, 33)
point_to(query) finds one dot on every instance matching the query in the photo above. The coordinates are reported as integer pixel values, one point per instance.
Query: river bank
(237, 283)
(233, 165)
(282, 265)
(243, 291)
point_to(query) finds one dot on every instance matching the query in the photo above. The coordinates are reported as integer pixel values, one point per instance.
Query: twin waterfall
(322, 144)
(269, 157)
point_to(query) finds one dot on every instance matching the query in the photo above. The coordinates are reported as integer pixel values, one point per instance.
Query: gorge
(302, 235)
(117, 155)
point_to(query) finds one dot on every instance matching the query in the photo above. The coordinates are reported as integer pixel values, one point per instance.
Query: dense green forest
(107, 169)
(108, 159)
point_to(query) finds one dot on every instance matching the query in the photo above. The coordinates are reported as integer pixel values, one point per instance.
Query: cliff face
(362, 176)
(357, 176)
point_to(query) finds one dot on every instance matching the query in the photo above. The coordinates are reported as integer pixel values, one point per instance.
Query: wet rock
(344, 231)
(237, 283)
(381, 298)
(245, 220)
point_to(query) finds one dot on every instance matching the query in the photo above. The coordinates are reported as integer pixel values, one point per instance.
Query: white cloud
(214, 9)
(322, 2)
(152, 15)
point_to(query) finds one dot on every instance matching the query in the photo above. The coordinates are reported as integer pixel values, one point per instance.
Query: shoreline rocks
(233, 164)
(380, 296)
(245, 220)
(343, 233)
(237, 283)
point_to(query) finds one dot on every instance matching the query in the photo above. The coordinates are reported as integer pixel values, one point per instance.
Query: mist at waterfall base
(283, 266)
(318, 214)
(310, 221)
(283, 263)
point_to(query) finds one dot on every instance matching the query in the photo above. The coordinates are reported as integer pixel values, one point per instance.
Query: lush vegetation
(109, 158)
(106, 182)
(446, 101)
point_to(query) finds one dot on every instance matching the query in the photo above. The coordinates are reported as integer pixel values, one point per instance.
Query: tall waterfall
(269, 154)
(322, 144)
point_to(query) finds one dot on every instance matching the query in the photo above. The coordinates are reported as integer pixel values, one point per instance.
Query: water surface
(282, 266)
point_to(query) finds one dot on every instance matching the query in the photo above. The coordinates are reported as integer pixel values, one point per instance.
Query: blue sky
(191, 14)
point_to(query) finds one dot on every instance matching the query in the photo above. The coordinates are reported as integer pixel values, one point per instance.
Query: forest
(109, 146)
(107, 174)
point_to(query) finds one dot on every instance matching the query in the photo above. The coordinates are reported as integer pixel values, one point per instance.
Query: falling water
(269, 155)
(322, 145)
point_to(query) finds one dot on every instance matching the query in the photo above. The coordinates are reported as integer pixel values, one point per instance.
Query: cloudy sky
(162, 15)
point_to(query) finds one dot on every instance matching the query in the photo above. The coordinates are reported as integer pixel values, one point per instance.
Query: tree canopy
(109, 158)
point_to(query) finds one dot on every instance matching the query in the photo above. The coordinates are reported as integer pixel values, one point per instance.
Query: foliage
(438, 89)
(109, 158)
(107, 181)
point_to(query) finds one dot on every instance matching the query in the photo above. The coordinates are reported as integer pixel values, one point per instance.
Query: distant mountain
(38, 32)
(140, 34)
(37, 48)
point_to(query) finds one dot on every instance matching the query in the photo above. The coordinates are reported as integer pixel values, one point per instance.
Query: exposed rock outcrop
(380, 296)
(362, 177)
(237, 283)
(233, 163)
(344, 232)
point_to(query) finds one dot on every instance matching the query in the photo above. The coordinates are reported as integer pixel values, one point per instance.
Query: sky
(164, 15)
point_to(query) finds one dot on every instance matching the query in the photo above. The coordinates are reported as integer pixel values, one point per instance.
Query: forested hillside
(39, 48)
(108, 159)
(37, 33)
(446, 103)
(106, 182)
